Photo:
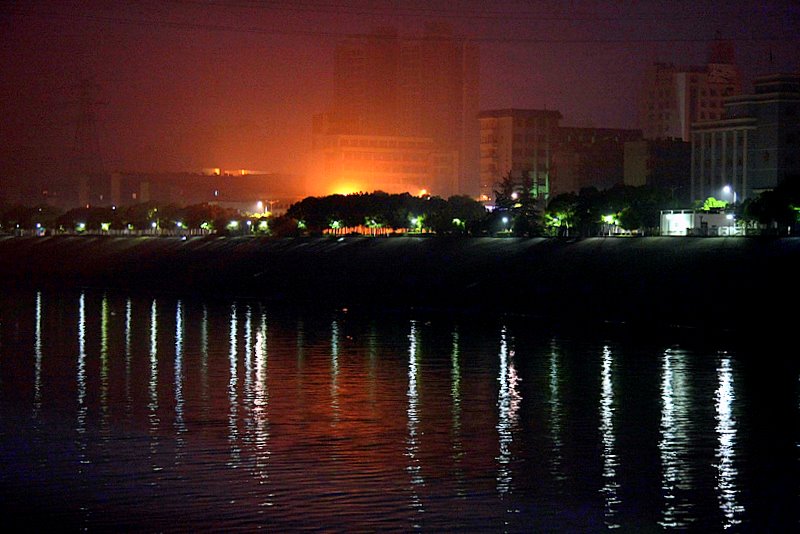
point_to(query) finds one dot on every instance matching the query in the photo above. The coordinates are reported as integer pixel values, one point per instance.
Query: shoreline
(730, 283)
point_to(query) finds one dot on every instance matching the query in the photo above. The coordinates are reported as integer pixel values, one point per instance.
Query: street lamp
(728, 190)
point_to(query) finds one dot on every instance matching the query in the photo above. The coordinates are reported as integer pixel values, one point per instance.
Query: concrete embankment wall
(742, 282)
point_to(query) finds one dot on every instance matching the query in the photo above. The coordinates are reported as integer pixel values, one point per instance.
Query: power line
(341, 35)
(468, 14)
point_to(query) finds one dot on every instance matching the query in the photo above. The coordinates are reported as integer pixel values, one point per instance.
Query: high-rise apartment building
(674, 97)
(426, 87)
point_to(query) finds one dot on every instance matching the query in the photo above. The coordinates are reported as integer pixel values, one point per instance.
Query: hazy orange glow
(345, 188)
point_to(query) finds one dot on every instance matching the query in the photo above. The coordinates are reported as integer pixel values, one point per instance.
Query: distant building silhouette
(755, 144)
(517, 141)
(590, 157)
(557, 159)
(351, 161)
(674, 97)
(659, 163)
(391, 86)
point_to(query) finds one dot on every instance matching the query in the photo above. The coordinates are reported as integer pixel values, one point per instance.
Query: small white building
(698, 223)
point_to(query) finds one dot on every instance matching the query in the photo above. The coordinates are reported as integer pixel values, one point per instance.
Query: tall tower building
(415, 87)
(674, 97)
(366, 75)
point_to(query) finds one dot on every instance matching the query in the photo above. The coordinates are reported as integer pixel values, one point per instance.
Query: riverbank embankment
(739, 282)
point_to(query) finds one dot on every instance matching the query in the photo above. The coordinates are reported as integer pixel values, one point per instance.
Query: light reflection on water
(37, 347)
(81, 380)
(233, 402)
(153, 416)
(610, 460)
(554, 405)
(157, 412)
(726, 486)
(455, 396)
(180, 425)
(676, 444)
(414, 467)
(508, 404)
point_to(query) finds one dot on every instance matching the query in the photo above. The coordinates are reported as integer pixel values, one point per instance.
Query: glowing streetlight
(729, 190)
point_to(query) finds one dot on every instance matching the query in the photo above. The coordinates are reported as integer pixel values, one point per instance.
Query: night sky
(185, 85)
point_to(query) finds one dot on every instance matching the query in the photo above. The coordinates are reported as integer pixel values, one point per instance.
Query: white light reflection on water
(104, 408)
(674, 443)
(247, 380)
(233, 429)
(248, 362)
(462, 445)
(414, 467)
(335, 371)
(81, 379)
(455, 395)
(610, 460)
(128, 355)
(508, 404)
(37, 350)
(180, 424)
(726, 483)
(556, 458)
(261, 412)
(204, 360)
(153, 385)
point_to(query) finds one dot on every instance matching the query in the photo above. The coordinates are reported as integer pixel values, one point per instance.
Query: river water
(159, 413)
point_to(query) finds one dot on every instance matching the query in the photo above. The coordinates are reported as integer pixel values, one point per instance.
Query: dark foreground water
(128, 412)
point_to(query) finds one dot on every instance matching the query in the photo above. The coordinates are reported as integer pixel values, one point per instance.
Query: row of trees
(620, 208)
(146, 217)
(456, 215)
(777, 210)
(518, 211)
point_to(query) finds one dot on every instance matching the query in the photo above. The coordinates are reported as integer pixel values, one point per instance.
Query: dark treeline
(778, 209)
(456, 215)
(518, 211)
(144, 217)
